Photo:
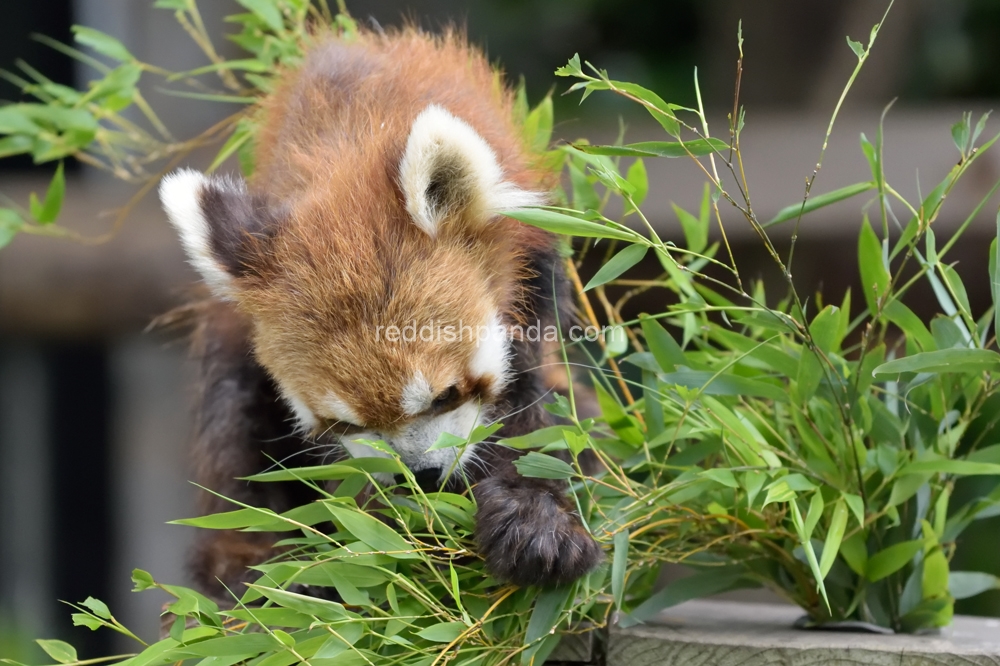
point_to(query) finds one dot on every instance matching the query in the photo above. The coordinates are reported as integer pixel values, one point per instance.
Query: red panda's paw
(529, 533)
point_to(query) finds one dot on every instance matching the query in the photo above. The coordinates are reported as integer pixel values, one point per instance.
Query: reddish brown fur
(322, 252)
(329, 139)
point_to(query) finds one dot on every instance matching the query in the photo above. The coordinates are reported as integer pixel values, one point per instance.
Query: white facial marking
(443, 146)
(417, 395)
(492, 355)
(306, 419)
(412, 442)
(180, 194)
(338, 409)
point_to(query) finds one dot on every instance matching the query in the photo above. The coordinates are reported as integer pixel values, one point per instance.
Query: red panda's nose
(428, 479)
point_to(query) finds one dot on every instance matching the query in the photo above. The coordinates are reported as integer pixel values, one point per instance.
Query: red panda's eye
(445, 398)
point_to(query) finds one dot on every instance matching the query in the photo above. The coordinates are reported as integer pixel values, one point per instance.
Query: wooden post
(727, 633)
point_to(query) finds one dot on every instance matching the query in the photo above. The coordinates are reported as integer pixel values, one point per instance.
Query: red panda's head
(382, 291)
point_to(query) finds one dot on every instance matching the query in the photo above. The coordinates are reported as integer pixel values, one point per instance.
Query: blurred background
(94, 409)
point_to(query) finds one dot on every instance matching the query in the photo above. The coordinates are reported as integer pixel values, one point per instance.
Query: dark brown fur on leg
(529, 534)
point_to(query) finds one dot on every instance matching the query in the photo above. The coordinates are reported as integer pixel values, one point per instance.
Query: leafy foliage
(98, 125)
(769, 441)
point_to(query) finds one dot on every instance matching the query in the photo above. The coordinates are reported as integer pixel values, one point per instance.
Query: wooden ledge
(727, 633)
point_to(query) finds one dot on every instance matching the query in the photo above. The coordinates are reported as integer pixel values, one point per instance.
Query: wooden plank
(714, 633)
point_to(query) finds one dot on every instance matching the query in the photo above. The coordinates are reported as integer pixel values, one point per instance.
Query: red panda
(381, 168)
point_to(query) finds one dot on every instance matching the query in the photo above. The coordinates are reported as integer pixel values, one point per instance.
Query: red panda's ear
(448, 170)
(222, 227)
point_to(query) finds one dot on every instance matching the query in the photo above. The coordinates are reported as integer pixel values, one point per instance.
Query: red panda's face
(380, 296)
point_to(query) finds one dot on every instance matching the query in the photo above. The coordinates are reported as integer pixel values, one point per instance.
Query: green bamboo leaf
(444, 632)
(702, 584)
(638, 179)
(97, 607)
(329, 611)
(234, 645)
(995, 284)
(239, 138)
(805, 541)
(824, 329)
(696, 147)
(10, 223)
(584, 195)
(661, 111)
(910, 324)
(874, 274)
(905, 487)
(942, 361)
(537, 125)
(268, 12)
(661, 344)
(857, 507)
(617, 265)
(15, 120)
(47, 212)
(61, 651)
(892, 559)
(855, 553)
(820, 201)
(373, 532)
(960, 132)
(16, 144)
(816, 506)
(230, 520)
(950, 276)
(617, 418)
(102, 43)
(695, 231)
(834, 536)
(538, 438)
(947, 466)
(858, 49)
(710, 383)
(272, 617)
(618, 564)
(541, 466)
(965, 584)
(561, 223)
(545, 616)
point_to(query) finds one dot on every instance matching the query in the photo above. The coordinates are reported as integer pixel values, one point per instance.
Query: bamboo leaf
(561, 223)
(892, 559)
(820, 201)
(545, 616)
(617, 265)
(696, 147)
(618, 564)
(102, 43)
(834, 536)
(61, 651)
(942, 361)
(541, 466)
(662, 345)
(444, 632)
(371, 531)
(46, 212)
(947, 466)
(874, 274)
(965, 584)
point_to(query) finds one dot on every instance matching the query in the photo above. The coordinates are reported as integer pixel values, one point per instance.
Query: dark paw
(529, 533)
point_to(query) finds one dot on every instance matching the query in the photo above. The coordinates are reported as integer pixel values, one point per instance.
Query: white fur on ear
(181, 196)
(442, 146)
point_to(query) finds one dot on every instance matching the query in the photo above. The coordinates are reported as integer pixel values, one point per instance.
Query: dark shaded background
(93, 412)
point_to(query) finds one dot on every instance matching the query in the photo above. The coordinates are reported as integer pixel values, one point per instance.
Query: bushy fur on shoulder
(382, 169)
